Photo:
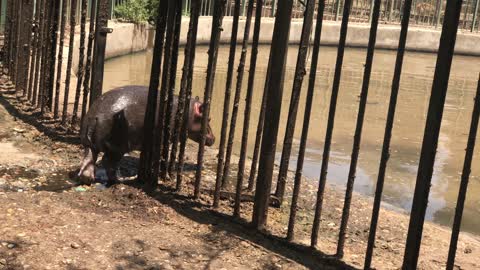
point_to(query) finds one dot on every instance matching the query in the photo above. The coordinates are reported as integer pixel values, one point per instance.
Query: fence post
(274, 5)
(101, 32)
(218, 15)
(474, 19)
(278, 57)
(432, 132)
(337, 9)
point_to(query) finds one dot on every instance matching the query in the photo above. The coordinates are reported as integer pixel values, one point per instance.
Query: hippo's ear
(198, 110)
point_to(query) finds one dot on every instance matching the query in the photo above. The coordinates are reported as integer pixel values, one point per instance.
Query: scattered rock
(11, 245)
(75, 245)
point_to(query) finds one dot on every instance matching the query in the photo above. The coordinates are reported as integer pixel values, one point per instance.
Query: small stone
(75, 246)
(10, 246)
(3, 262)
(467, 250)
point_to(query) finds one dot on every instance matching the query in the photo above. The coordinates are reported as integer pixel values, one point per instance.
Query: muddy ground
(50, 222)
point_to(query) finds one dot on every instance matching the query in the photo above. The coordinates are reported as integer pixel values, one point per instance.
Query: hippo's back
(116, 115)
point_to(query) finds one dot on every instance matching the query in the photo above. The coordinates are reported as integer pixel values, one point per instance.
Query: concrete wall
(129, 38)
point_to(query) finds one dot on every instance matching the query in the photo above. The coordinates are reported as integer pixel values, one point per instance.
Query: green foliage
(137, 11)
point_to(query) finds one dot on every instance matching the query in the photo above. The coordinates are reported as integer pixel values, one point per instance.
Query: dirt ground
(50, 222)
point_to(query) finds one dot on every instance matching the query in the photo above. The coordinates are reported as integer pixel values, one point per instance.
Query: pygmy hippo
(114, 126)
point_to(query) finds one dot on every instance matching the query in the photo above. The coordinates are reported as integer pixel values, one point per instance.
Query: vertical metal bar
(248, 100)
(236, 100)
(274, 91)
(370, 16)
(52, 52)
(464, 182)
(145, 165)
(15, 40)
(274, 7)
(101, 31)
(185, 91)
(7, 34)
(171, 89)
(331, 121)
(27, 43)
(164, 88)
(432, 130)
(35, 51)
(60, 58)
(465, 13)
(88, 65)
(68, 74)
(300, 72)
(337, 9)
(17, 49)
(226, 108)
(439, 13)
(81, 60)
(46, 57)
(41, 26)
(258, 136)
(359, 127)
(475, 13)
(219, 11)
(306, 121)
(388, 131)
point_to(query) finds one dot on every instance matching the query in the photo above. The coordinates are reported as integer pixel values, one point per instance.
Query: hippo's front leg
(87, 169)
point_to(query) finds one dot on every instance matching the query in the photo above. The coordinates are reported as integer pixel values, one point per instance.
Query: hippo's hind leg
(87, 169)
(110, 162)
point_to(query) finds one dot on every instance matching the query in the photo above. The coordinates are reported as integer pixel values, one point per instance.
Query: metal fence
(425, 13)
(37, 68)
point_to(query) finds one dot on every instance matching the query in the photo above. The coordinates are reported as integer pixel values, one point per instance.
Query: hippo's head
(195, 124)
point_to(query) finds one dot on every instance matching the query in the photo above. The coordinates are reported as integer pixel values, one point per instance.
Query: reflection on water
(409, 123)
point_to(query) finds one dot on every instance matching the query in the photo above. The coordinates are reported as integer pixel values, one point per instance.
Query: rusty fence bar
(39, 54)
(101, 31)
(35, 51)
(165, 85)
(60, 59)
(177, 22)
(25, 43)
(68, 75)
(432, 131)
(218, 15)
(248, 99)
(278, 57)
(251, 80)
(186, 92)
(81, 60)
(359, 127)
(54, 15)
(331, 122)
(300, 72)
(236, 98)
(467, 166)
(145, 165)
(43, 95)
(388, 133)
(221, 165)
(7, 35)
(88, 64)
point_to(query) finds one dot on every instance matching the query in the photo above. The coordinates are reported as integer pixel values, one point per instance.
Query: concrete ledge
(128, 38)
(419, 39)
